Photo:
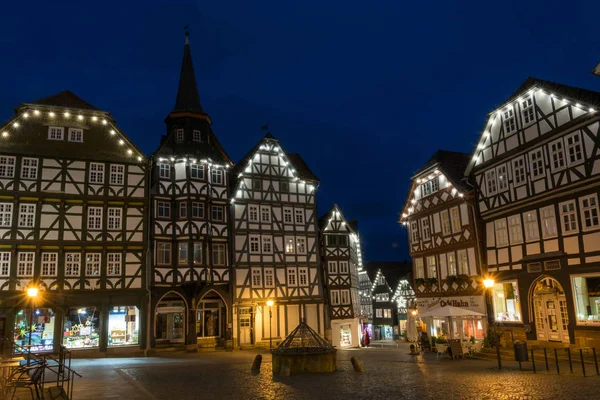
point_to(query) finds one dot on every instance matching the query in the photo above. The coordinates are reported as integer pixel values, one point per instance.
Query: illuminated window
(589, 211)
(113, 264)
(6, 214)
(163, 253)
(81, 328)
(92, 264)
(532, 231)
(451, 260)
(445, 223)
(72, 264)
(507, 305)
(514, 225)
(502, 177)
(431, 267)
(568, 216)
(123, 326)
(289, 245)
(455, 216)
(425, 229)
(183, 253)
(548, 221)
(501, 232)
(301, 245)
(419, 269)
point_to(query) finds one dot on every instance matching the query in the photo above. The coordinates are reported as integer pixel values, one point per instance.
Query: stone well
(305, 352)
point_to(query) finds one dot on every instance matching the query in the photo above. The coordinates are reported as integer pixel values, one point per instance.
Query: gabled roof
(301, 167)
(66, 99)
(324, 220)
(393, 271)
(451, 163)
(188, 98)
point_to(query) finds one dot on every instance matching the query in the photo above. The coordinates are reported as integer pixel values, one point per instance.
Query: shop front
(460, 317)
(346, 332)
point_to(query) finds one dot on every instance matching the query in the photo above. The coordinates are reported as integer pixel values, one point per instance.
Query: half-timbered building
(342, 261)
(72, 225)
(536, 169)
(444, 246)
(276, 253)
(191, 301)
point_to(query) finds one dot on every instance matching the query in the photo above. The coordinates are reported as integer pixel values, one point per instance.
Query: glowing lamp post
(489, 284)
(414, 312)
(270, 304)
(32, 293)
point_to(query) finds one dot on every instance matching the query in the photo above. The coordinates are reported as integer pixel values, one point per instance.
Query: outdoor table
(7, 365)
(441, 349)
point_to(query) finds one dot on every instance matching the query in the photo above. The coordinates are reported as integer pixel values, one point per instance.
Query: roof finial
(187, 34)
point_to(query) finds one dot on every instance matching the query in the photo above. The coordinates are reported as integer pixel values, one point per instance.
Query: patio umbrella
(450, 311)
(411, 329)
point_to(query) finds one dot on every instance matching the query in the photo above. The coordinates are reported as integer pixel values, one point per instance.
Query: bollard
(256, 364)
(357, 365)
(556, 359)
(570, 361)
(546, 358)
(533, 361)
(595, 360)
(286, 368)
(582, 364)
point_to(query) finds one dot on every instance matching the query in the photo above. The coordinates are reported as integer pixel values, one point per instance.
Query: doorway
(550, 309)
(170, 321)
(245, 326)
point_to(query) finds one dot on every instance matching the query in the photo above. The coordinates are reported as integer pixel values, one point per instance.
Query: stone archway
(549, 305)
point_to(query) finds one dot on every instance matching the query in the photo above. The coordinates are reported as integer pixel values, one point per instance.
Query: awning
(450, 311)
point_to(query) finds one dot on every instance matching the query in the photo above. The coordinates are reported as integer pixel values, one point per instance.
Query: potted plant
(450, 279)
(419, 281)
(462, 279)
(429, 282)
(472, 340)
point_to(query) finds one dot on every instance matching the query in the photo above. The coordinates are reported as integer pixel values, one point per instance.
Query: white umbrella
(450, 311)
(411, 329)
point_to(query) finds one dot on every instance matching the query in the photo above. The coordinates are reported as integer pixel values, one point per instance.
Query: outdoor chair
(27, 378)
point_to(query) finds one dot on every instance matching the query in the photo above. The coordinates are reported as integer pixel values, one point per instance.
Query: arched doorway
(550, 310)
(170, 319)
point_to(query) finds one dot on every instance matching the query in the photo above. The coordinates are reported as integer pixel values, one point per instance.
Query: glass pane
(41, 330)
(123, 325)
(82, 328)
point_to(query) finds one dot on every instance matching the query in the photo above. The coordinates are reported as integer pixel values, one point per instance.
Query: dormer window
(179, 135)
(55, 133)
(509, 121)
(430, 187)
(75, 135)
(196, 136)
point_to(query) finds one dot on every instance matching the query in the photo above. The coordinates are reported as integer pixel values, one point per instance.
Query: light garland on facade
(122, 139)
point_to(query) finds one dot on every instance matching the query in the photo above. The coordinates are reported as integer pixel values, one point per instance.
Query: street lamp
(270, 304)
(488, 283)
(32, 293)
(414, 312)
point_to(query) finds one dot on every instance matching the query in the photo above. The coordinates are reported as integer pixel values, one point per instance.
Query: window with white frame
(332, 267)
(182, 253)
(163, 253)
(256, 278)
(532, 231)
(343, 267)
(387, 313)
(163, 209)
(589, 211)
(289, 245)
(291, 277)
(183, 208)
(267, 244)
(455, 219)
(94, 218)
(179, 135)
(253, 213)
(585, 292)
(506, 301)
(419, 269)
(114, 218)
(217, 213)
(197, 171)
(254, 244)
(299, 216)
(345, 296)
(430, 187)
(25, 262)
(164, 170)
(302, 276)
(265, 214)
(548, 221)
(92, 264)
(197, 209)
(536, 163)
(5, 263)
(568, 216)
(217, 176)
(382, 297)
(72, 264)
(218, 253)
(198, 253)
(196, 137)
(287, 216)
(502, 177)
(7, 167)
(574, 149)
(96, 173)
(117, 174)
(335, 297)
(445, 222)
(527, 110)
(381, 280)
(6, 214)
(55, 133)
(29, 168)
(451, 262)
(26, 215)
(519, 171)
(269, 278)
(113, 266)
(75, 135)
(379, 313)
(509, 121)
(425, 229)
(491, 183)
(431, 267)
(463, 262)
(414, 231)
(49, 264)
(557, 155)
(501, 232)
(514, 229)
(301, 245)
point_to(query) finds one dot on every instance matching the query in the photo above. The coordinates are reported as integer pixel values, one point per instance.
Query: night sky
(365, 91)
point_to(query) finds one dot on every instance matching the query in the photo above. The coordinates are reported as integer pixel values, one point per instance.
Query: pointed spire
(188, 98)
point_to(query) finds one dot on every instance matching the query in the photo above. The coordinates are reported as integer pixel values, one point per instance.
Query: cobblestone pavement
(390, 373)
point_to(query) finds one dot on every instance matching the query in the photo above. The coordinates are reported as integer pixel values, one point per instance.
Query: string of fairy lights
(60, 118)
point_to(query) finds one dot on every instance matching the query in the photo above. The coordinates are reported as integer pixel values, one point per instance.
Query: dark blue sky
(365, 91)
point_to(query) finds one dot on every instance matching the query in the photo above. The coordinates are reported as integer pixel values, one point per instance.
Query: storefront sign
(472, 303)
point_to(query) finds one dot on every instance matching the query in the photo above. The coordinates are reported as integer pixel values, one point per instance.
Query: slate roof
(188, 98)
(301, 167)
(66, 99)
(452, 163)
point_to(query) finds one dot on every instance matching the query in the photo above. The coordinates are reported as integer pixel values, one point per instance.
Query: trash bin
(521, 351)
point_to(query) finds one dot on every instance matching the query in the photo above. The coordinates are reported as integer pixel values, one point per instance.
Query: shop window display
(507, 305)
(42, 329)
(586, 290)
(345, 336)
(123, 326)
(82, 328)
